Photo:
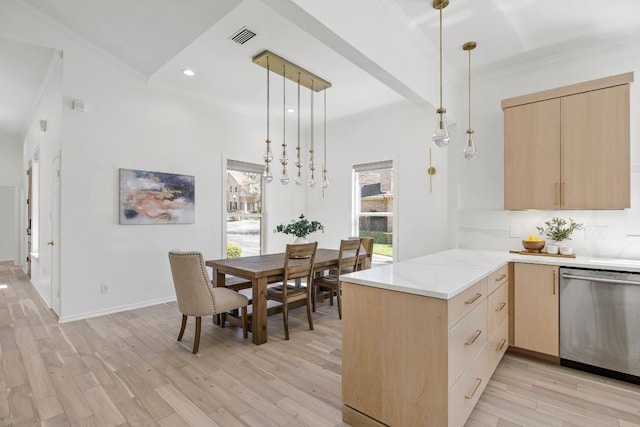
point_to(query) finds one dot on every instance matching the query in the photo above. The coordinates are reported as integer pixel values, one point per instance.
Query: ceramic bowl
(533, 246)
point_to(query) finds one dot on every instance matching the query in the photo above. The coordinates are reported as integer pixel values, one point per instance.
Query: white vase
(299, 240)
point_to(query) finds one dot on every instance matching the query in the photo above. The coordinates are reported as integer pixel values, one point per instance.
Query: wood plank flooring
(127, 369)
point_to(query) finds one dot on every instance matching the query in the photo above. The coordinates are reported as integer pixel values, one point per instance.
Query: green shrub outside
(381, 237)
(234, 250)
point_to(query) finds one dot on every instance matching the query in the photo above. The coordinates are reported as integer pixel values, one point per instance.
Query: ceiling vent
(243, 35)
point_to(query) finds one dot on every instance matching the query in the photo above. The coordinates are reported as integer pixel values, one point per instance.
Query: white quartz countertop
(446, 274)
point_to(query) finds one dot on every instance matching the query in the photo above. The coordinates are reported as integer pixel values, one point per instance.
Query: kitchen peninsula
(422, 337)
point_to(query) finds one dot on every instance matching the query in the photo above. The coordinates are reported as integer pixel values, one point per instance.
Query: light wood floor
(127, 369)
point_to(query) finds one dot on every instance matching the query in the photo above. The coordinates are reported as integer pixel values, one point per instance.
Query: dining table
(262, 270)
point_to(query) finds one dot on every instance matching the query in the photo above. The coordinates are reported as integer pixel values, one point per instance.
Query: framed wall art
(156, 198)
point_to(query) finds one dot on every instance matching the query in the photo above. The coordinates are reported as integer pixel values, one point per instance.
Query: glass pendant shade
(312, 182)
(325, 182)
(268, 155)
(441, 133)
(470, 152)
(284, 179)
(299, 181)
(268, 177)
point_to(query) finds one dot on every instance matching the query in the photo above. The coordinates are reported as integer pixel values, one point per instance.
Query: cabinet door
(595, 149)
(532, 156)
(536, 304)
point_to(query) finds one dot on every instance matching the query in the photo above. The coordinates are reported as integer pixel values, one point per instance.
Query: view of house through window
(373, 204)
(244, 208)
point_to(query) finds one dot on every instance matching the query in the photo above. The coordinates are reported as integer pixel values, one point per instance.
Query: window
(244, 208)
(373, 207)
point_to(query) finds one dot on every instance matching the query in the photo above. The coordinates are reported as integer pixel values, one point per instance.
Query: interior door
(55, 237)
(29, 203)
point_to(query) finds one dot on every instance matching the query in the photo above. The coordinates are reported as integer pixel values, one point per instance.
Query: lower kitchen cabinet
(412, 360)
(535, 308)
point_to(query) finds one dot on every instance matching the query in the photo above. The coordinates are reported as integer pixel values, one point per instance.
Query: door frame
(56, 292)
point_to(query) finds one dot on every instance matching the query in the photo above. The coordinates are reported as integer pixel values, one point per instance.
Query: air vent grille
(243, 35)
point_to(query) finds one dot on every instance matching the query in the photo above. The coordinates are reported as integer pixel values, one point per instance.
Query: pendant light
(441, 134)
(284, 178)
(298, 163)
(325, 181)
(288, 70)
(470, 152)
(312, 166)
(268, 155)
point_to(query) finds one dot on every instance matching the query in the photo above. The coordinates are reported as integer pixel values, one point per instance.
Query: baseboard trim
(112, 310)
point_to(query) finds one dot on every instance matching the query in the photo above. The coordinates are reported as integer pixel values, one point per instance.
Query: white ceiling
(158, 38)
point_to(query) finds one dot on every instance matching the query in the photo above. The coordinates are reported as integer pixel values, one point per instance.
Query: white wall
(401, 133)
(483, 222)
(10, 189)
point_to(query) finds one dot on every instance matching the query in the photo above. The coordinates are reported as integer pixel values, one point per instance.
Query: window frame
(241, 166)
(356, 199)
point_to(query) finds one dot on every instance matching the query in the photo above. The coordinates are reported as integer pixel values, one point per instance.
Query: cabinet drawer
(466, 339)
(498, 278)
(467, 300)
(498, 344)
(498, 307)
(465, 393)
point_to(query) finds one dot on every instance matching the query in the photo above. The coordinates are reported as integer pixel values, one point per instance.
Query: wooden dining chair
(298, 264)
(367, 246)
(347, 263)
(198, 297)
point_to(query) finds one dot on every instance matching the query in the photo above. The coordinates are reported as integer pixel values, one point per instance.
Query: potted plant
(300, 228)
(559, 229)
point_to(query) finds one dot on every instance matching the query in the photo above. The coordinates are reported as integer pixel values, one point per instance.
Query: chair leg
(314, 290)
(309, 313)
(184, 325)
(244, 323)
(339, 301)
(285, 318)
(223, 319)
(196, 341)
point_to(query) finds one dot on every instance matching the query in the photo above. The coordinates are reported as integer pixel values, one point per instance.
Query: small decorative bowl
(533, 246)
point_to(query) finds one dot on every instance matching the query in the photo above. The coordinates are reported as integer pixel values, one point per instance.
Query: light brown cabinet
(536, 308)
(568, 148)
(414, 360)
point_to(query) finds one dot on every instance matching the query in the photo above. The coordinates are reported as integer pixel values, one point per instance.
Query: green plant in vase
(559, 229)
(300, 228)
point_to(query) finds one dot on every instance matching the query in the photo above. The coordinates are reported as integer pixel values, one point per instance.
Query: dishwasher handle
(600, 279)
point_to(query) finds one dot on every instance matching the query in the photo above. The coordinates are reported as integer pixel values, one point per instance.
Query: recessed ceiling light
(188, 72)
(291, 110)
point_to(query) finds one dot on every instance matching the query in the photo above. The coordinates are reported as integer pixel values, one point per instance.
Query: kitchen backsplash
(608, 234)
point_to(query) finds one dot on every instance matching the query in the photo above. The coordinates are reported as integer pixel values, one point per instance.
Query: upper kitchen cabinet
(568, 148)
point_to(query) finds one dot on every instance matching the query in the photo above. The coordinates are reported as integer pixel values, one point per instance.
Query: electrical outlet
(515, 231)
(104, 289)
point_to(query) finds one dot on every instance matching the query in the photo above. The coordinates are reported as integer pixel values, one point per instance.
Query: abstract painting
(156, 198)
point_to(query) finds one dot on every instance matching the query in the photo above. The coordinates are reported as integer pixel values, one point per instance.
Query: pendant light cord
(267, 98)
(325, 129)
(469, 89)
(284, 111)
(440, 58)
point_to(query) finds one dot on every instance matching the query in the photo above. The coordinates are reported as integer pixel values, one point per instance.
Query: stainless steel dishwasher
(600, 322)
